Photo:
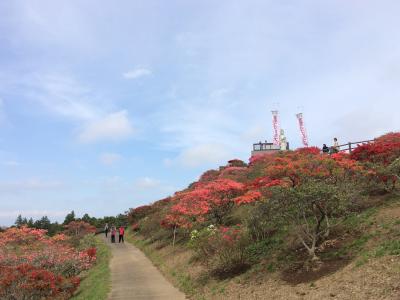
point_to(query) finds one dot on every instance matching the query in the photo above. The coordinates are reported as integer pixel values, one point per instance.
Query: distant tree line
(55, 227)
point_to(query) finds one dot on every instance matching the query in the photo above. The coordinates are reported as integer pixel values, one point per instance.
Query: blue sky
(106, 105)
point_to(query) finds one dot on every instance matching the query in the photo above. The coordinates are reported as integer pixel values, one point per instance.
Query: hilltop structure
(280, 142)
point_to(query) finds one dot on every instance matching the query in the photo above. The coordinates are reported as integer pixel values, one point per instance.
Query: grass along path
(96, 285)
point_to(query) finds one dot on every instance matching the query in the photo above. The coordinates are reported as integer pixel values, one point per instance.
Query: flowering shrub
(35, 266)
(299, 165)
(384, 150)
(249, 197)
(208, 199)
(394, 168)
(25, 281)
(135, 214)
(380, 157)
(135, 227)
(209, 175)
(233, 173)
(78, 228)
(318, 188)
(223, 250)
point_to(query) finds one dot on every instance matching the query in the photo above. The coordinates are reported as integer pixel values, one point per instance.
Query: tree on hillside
(311, 208)
(20, 221)
(69, 218)
(43, 223)
(86, 218)
(394, 168)
(78, 229)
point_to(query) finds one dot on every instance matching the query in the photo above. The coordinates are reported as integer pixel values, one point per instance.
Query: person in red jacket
(121, 232)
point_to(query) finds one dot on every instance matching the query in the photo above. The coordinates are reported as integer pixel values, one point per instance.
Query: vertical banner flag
(275, 125)
(304, 137)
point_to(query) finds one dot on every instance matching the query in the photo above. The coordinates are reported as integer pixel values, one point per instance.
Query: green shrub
(223, 250)
(88, 241)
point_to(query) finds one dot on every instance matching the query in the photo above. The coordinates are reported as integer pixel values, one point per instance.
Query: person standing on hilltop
(121, 232)
(335, 147)
(113, 233)
(325, 148)
(106, 229)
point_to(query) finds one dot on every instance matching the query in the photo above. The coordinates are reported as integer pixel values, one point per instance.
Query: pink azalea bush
(36, 266)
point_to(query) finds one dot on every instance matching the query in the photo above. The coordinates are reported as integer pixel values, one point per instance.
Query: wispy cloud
(64, 96)
(146, 183)
(109, 159)
(205, 154)
(137, 73)
(112, 127)
(30, 185)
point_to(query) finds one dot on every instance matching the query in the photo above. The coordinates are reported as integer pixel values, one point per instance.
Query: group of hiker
(334, 149)
(113, 232)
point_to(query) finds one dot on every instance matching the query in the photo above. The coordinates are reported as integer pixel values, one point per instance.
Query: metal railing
(348, 147)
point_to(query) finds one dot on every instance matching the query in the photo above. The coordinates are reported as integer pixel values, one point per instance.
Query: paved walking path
(133, 276)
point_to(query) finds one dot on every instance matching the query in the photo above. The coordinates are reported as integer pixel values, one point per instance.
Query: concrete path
(133, 276)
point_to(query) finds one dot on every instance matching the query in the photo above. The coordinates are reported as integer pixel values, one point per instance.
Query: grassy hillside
(291, 225)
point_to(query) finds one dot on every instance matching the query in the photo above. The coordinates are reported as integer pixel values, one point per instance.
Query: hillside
(290, 225)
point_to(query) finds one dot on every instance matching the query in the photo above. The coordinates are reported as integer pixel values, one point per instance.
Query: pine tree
(69, 218)
(19, 221)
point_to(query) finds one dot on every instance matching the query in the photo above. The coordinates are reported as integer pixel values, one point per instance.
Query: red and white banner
(275, 125)
(303, 131)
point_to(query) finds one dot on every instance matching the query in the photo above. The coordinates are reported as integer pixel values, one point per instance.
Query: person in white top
(335, 147)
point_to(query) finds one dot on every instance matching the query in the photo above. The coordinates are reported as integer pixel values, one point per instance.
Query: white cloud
(109, 159)
(147, 183)
(203, 154)
(137, 73)
(64, 96)
(113, 127)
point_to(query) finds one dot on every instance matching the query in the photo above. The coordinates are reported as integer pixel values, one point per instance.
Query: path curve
(133, 276)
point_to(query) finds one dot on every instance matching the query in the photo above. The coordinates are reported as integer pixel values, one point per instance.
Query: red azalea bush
(209, 175)
(233, 173)
(35, 266)
(212, 198)
(135, 214)
(78, 228)
(25, 281)
(384, 150)
(214, 195)
(297, 165)
(380, 157)
(207, 200)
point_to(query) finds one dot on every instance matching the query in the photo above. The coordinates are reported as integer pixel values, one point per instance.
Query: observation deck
(264, 148)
